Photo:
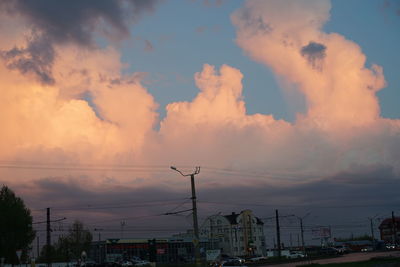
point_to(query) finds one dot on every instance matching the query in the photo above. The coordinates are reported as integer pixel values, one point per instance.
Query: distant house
(390, 233)
(235, 234)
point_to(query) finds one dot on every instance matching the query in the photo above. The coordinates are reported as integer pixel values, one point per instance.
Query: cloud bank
(86, 123)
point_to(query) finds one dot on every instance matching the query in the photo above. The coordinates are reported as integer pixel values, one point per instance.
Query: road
(352, 257)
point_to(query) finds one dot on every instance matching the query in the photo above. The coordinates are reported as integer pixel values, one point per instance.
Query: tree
(16, 232)
(71, 245)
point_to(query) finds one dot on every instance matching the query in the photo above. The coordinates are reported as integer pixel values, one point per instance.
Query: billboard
(321, 232)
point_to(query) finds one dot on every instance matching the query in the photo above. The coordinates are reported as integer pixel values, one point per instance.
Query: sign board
(321, 232)
(160, 251)
(213, 254)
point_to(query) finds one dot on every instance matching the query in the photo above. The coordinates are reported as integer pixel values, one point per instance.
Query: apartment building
(235, 234)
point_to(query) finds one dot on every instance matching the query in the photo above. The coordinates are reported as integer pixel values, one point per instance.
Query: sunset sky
(289, 105)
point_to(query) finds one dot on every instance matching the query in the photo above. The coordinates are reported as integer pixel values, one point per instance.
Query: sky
(289, 105)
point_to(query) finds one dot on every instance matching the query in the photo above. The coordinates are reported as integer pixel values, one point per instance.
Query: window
(219, 222)
(241, 238)
(226, 239)
(255, 238)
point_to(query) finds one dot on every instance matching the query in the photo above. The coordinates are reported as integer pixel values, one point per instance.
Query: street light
(194, 208)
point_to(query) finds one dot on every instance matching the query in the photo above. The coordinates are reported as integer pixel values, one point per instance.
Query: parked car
(342, 249)
(256, 259)
(328, 251)
(295, 255)
(142, 263)
(390, 246)
(367, 249)
(232, 263)
(236, 259)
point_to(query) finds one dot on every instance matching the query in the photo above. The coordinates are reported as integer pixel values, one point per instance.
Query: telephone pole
(372, 230)
(196, 240)
(278, 233)
(48, 239)
(394, 229)
(99, 245)
(48, 236)
(302, 232)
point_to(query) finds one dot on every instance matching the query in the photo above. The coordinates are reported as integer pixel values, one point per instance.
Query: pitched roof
(232, 218)
(388, 221)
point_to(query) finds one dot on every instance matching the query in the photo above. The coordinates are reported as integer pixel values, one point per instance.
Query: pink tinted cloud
(116, 123)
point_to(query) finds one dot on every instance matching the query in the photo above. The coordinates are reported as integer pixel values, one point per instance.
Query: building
(235, 234)
(166, 250)
(390, 233)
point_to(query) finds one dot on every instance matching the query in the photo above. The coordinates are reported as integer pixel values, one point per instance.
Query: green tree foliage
(355, 238)
(16, 232)
(77, 240)
(70, 246)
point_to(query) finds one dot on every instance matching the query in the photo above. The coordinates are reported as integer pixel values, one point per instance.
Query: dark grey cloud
(37, 58)
(314, 53)
(76, 20)
(68, 21)
(339, 200)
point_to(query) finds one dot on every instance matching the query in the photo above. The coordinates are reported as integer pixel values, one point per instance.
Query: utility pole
(394, 229)
(48, 239)
(372, 233)
(298, 240)
(99, 245)
(302, 232)
(278, 233)
(372, 230)
(122, 229)
(196, 241)
(48, 236)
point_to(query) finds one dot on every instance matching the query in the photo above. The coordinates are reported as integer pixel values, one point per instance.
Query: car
(328, 251)
(232, 263)
(236, 259)
(256, 259)
(135, 259)
(390, 246)
(342, 249)
(367, 249)
(295, 255)
(142, 263)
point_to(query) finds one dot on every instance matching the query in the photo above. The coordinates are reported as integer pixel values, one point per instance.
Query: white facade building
(235, 234)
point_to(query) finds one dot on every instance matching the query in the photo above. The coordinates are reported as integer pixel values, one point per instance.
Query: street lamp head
(173, 167)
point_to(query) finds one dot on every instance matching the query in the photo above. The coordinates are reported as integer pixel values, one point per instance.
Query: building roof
(388, 222)
(232, 218)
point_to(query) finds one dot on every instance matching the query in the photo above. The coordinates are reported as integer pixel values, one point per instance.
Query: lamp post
(194, 208)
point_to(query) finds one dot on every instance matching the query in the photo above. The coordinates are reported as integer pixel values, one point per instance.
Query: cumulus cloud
(92, 130)
(77, 22)
(36, 59)
(341, 94)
